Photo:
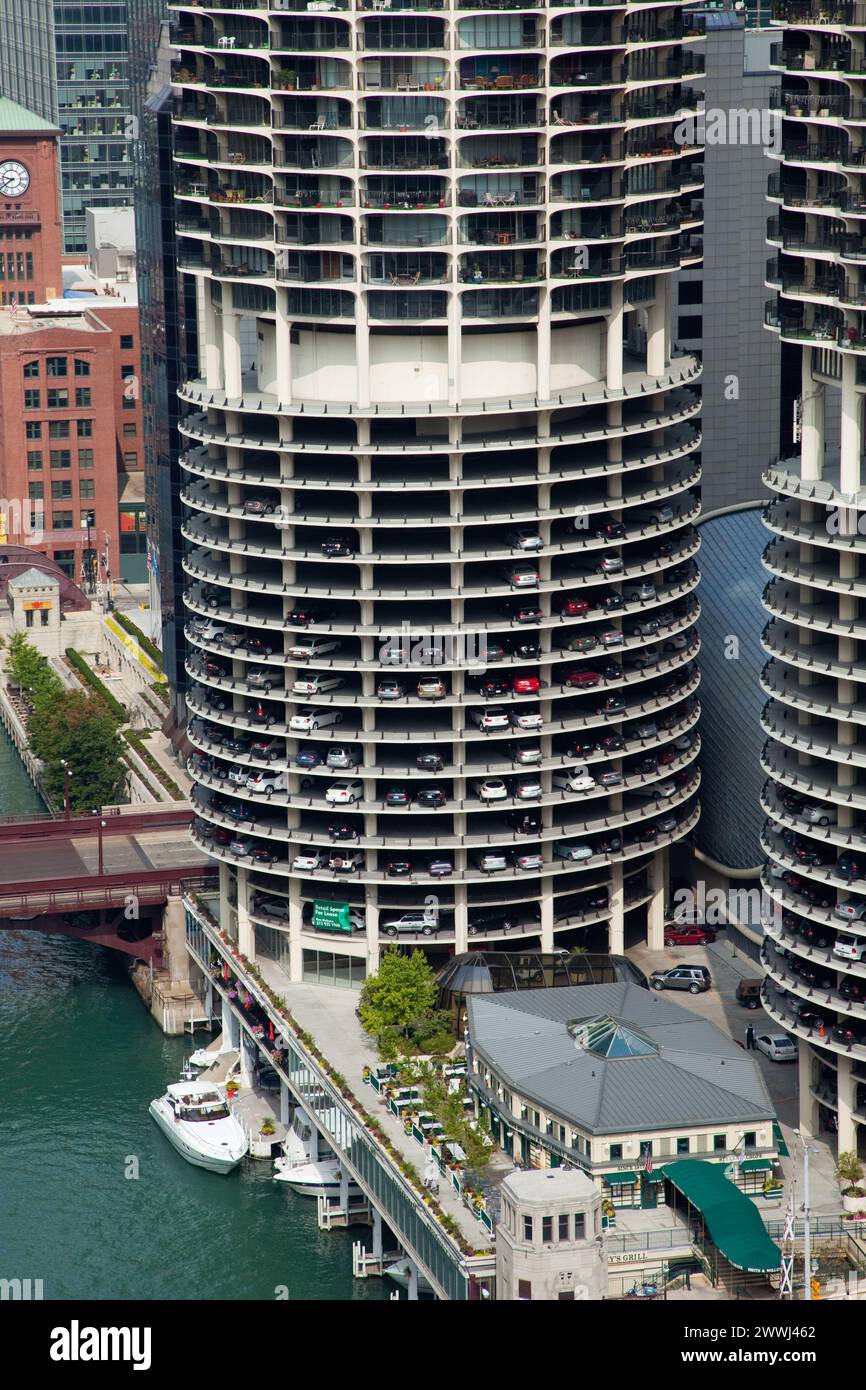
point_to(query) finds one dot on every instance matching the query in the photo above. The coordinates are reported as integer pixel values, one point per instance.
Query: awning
(731, 1218)
(780, 1140)
(657, 1175)
(756, 1165)
(618, 1179)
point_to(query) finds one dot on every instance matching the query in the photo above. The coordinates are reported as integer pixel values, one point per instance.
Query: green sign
(331, 916)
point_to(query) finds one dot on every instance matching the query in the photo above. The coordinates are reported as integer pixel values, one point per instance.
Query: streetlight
(66, 806)
(99, 829)
(807, 1223)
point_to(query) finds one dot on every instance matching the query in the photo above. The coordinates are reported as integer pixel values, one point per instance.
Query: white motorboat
(397, 1268)
(195, 1118)
(311, 1177)
(203, 1057)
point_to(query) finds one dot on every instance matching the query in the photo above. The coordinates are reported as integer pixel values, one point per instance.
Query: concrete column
(377, 1234)
(851, 433)
(371, 917)
(812, 422)
(175, 953)
(655, 935)
(227, 1021)
(546, 905)
(656, 344)
(296, 954)
(284, 349)
(246, 934)
(210, 358)
(808, 1105)
(613, 368)
(285, 1103)
(846, 1084)
(344, 1188)
(247, 1059)
(413, 1281)
(232, 354)
(362, 352)
(542, 380)
(455, 383)
(314, 1143)
(461, 920)
(616, 928)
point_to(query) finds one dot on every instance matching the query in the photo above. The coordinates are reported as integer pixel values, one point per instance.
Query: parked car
(522, 576)
(344, 793)
(526, 788)
(529, 719)
(343, 756)
(317, 683)
(429, 762)
(524, 538)
(277, 908)
(338, 547)
(431, 688)
(528, 860)
(525, 822)
(777, 1046)
(342, 830)
(695, 978)
(582, 680)
(562, 849)
(526, 685)
(266, 680)
(310, 648)
(819, 815)
(522, 612)
(422, 923)
(491, 789)
(849, 947)
(489, 718)
(398, 868)
(579, 779)
(490, 860)
(390, 689)
(259, 506)
(396, 796)
(525, 754)
(268, 748)
(267, 782)
(748, 993)
(250, 849)
(688, 934)
(438, 866)
(255, 646)
(431, 798)
(310, 718)
(852, 910)
(345, 861)
(850, 866)
(310, 858)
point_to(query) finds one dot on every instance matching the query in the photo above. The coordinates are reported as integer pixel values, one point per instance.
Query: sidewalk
(158, 748)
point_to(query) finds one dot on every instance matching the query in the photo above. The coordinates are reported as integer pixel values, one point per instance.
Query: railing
(109, 890)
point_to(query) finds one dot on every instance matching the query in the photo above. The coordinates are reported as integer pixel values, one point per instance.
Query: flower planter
(853, 1204)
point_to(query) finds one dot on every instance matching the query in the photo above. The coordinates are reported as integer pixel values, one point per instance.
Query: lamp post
(99, 829)
(66, 804)
(807, 1221)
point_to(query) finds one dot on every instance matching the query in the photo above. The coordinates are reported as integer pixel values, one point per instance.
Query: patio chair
(318, 124)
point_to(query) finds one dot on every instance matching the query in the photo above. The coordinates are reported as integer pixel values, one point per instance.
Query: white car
(524, 538)
(850, 947)
(524, 753)
(491, 789)
(563, 850)
(853, 909)
(526, 719)
(317, 684)
(344, 793)
(777, 1046)
(267, 782)
(308, 719)
(639, 591)
(527, 789)
(527, 859)
(577, 780)
(491, 860)
(494, 717)
(521, 576)
(306, 648)
(310, 858)
(818, 815)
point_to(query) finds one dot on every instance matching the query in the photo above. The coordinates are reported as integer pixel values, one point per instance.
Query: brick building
(70, 410)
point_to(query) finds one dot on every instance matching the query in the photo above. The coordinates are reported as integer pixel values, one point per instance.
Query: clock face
(14, 179)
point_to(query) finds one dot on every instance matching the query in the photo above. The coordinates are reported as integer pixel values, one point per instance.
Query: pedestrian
(750, 1039)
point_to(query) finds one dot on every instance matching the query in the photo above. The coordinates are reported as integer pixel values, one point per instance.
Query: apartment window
(32, 397)
(82, 368)
(524, 1291)
(127, 371)
(528, 1233)
(615, 1153)
(580, 1225)
(82, 397)
(86, 488)
(58, 429)
(546, 1229)
(31, 369)
(691, 292)
(55, 366)
(130, 431)
(750, 1139)
(61, 489)
(682, 1146)
(35, 491)
(720, 1143)
(130, 460)
(126, 343)
(563, 1226)
(61, 458)
(84, 429)
(34, 460)
(33, 429)
(85, 458)
(58, 398)
(65, 560)
(690, 326)
(61, 521)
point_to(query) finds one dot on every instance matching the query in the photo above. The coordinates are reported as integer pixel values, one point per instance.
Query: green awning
(657, 1175)
(780, 1140)
(731, 1218)
(756, 1165)
(615, 1179)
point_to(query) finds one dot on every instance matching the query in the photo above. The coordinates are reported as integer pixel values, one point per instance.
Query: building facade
(814, 797)
(439, 465)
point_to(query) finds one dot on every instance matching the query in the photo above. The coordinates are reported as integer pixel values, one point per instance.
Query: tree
(29, 669)
(849, 1171)
(83, 733)
(401, 992)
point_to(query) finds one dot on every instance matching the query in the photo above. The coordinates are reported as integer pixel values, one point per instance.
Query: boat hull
(312, 1179)
(176, 1135)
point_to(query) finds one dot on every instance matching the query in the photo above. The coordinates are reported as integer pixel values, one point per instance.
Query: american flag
(648, 1161)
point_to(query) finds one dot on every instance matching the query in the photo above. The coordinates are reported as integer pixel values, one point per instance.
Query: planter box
(853, 1203)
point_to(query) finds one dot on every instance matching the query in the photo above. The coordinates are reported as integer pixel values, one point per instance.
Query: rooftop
(32, 579)
(643, 1063)
(549, 1185)
(15, 119)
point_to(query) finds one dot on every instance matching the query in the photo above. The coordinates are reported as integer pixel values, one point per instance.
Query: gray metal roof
(17, 119)
(699, 1076)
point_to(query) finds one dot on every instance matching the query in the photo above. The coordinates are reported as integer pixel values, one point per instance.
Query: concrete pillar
(812, 422)
(613, 368)
(808, 1104)
(210, 360)
(227, 1021)
(248, 1061)
(246, 934)
(413, 1281)
(344, 1188)
(175, 954)
(455, 383)
(846, 1084)
(851, 433)
(656, 344)
(616, 927)
(362, 352)
(377, 1234)
(546, 904)
(232, 355)
(655, 933)
(296, 953)
(542, 380)
(314, 1143)
(285, 1103)
(283, 349)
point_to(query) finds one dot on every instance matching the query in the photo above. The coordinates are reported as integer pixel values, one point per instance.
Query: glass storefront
(327, 968)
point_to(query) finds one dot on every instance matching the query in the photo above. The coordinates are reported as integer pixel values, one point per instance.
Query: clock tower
(30, 222)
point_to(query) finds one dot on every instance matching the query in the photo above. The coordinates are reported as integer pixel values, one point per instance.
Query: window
(84, 429)
(55, 366)
(750, 1139)
(61, 458)
(58, 398)
(130, 431)
(130, 460)
(682, 1146)
(32, 397)
(615, 1153)
(546, 1229)
(65, 560)
(567, 1297)
(524, 1291)
(61, 489)
(82, 397)
(35, 491)
(126, 342)
(528, 1233)
(691, 292)
(720, 1143)
(690, 326)
(85, 458)
(31, 369)
(33, 429)
(563, 1226)
(34, 460)
(127, 371)
(61, 521)
(58, 429)
(82, 368)
(87, 487)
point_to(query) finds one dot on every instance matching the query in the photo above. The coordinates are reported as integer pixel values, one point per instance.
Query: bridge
(102, 877)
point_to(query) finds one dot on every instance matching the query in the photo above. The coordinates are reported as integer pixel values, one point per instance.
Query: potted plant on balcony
(849, 1171)
(268, 1126)
(285, 79)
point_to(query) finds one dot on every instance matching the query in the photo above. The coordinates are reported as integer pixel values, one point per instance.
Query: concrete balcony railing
(783, 601)
(812, 739)
(814, 780)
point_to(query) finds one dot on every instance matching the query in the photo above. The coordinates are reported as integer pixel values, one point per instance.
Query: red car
(689, 934)
(526, 685)
(583, 679)
(573, 607)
